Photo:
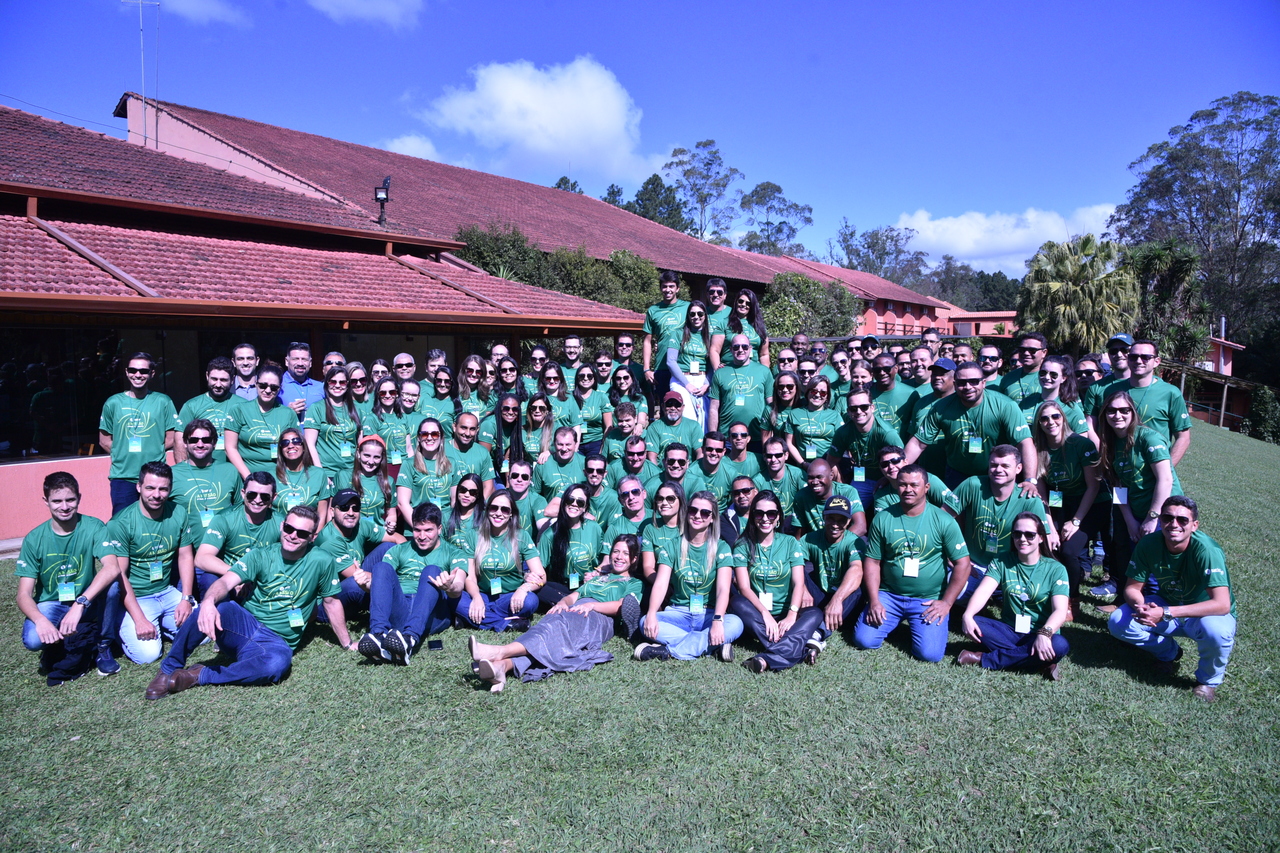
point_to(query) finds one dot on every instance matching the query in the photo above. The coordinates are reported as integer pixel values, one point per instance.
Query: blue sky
(987, 126)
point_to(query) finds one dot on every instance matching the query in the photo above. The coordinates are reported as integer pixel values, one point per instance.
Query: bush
(795, 303)
(1263, 421)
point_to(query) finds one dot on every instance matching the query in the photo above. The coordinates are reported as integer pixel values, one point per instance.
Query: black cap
(345, 496)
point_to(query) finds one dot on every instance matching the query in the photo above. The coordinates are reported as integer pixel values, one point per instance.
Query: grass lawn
(865, 751)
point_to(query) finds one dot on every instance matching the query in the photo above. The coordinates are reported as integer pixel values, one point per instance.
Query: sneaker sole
(372, 649)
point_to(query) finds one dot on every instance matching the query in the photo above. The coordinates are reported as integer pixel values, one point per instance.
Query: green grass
(866, 751)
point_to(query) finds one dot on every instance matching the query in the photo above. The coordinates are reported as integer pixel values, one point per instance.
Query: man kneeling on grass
(261, 635)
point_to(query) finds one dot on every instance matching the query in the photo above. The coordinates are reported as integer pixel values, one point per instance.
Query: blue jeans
(1005, 648)
(821, 599)
(687, 635)
(354, 597)
(259, 655)
(865, 490)
(160, 610)
(428, 611)
(54, 611)
(789, 648)
(497, 610)
(124, 494)
(928, 642)
(1214, 636)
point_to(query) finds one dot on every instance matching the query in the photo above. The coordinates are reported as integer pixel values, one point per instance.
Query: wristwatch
(189, 599)
(1075, 521)
(718, 617)
(1167, 614)
(1151, 513)
(1033, 480)
(82, 601)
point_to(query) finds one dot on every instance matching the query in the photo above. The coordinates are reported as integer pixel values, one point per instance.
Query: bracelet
(1045, 632)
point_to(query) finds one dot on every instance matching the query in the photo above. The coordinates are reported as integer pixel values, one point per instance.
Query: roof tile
(33, 262)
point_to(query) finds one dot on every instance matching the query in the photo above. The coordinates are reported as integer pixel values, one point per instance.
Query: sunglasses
(740, 346)
(787, 358)
(337, 382)
(390, 393)
(819, 392)
(404, 365)
(1142, 356)
(1029, 350)
(631, 493)
(468, 490)
(539, 409)
(765, 514)
(1120, 410)
(627, 345)
(512, 475)
(968, 383)
(510, 409)
(507, 369)
(434, 433)
(859, 407)
(677, 462)
(701, 512)
(595, 470)
(258, 497)
(290, 442)
(739, 435)
(334, 363)
(288, 528)
(988, 358)
(360, 381)
(666, 499)
(267, 386)
(137, 371)
(578, 502)
(1168, 518)
(775, 456)
(499, 509)
(790, 386)
(1024, 534)
(1081, 374)
(893, 460)
(740, 492)
(1050, 416)
(200, 439)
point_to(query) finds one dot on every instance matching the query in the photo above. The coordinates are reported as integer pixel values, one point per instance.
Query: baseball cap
(673, 395)
(838, 505)
(943, 364)
(1123, 338)
(871, 340)
(346, 496)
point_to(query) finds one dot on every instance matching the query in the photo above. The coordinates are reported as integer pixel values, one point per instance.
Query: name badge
(993, 542)
(344, 450)
(975, 444)
(810, 453)
(135, 444)
(911, 567)
(1055, 498)
(766, 599)
(295, 618)
(67, 591)
(574, 580)
(275, 452)
(697, 603)
(495, 586)
(220, 444)
(859, 474)
(396, 458)
(1121, 494)
(206, 516)
(739, 400)
(1022, 623)
(156, 570)
(695, 367)
(506, 465)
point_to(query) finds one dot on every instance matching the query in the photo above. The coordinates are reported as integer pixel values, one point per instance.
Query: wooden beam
(92, 257)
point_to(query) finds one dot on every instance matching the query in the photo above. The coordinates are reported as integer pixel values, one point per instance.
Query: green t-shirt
(894, 405)
(234, 535)
(373, 501)
(717, 482)
(618, 524)
(1017, 385)
(346, 551)
(220, 413)
(137, 429)
(603, 505)
(586, 544)
(430, 486)
(831, 559)
(665, 323)
(660, 434)
(150, 546)
(864, 448)
(741, 394)
(409, 562)
(592, 411)
(607, 588)
(613, 445)
(499, 571)
(748, 467)
(442, 409)
(530, 507)
(770, 569)
(811, 432)
(726, 349)
(693, 584)
(968, 435)
(1135, 469)
(939, 495)
(552, 477)
(934, 457)
(475, 460)
(808, 506)
(654, 538)
(1028, 590)
(207, 491)
(565, 413)
(474, 404)
(786, 488)
(1076, 421)
(302, 488)
(1160, 405)
(1184, 578)
(692, 356)
(336, 443)
(1065, 471)
(258, 433)
(62, 566)
(617, 470)
(987, 523)
(1091, 397)
(897, 539)
(285, 591)
(394, 430)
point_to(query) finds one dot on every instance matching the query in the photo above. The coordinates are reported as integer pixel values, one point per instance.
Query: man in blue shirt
(298, 390)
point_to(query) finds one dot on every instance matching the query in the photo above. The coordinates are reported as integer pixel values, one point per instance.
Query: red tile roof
(439, 200)
(40, 152)
(33, 262)
(863, 284)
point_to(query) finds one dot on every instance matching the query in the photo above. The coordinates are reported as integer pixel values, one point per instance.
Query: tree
(951, 280)
(658, 202)
(702, 180)
(613, 195)
(1172, 310)
(777, 220)
(796, 303)
(881, 251)
(567, 185)
(1215, 184)
(1077, 294)
(996, 292)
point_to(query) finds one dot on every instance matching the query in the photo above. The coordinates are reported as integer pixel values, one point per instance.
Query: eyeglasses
(678, 463)
(1050, 416)
(739, 435)
(775, 456)
(507, 369)
(604, 364)
(499, 509)
(512, 475)
(765, 514)
(338, 382)
(1081, 374)
(625, 344)
(674, 404)
(332, 363)
(787, 386)
(1049, 374)
(1142, 356)
(443, 380)
(877, 368)
(510, 409)
(744, 301)
(1024, 534)
(715, 291)
(291, 442)
(1168, 518)
(539, 409)
(267, 386)
(819, 392)
(578, 502)
(137, 371)
(390, 393)
(258, 497)
(359, 381)
(200, 439)
(988, 358)
(697, 315)
(701, 512)
(893, 460)
(402, 365)
(434, 433)
(353, 506)
(809, 372)
(288, 528)
(631, 493)
(740, 346)
(1118, 351)
(1029, 350)
(537, 359)
(839, 362)
(595, 470)
(967, 383)
(744, 491)
(472, 371)
(551, 379)
(787, 358)
(1120, 410)
(666, 499)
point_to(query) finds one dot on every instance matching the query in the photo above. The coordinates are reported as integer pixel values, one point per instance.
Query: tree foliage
(1078, 294)
(775, 221)
(567, 185)
(658, 201)
(613, 195)
(1263, 420)
(795, 303)
(882, 251)
(1173, 313)
(1215, 185)
(702, 181)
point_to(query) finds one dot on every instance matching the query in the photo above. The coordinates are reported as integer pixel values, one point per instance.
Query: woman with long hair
(594, 408)
(465, 511)
(745, 319)
(570, 547)
(688, 362)
(502, 435)
(379, 369)
(473, 392)
(769, 571)
(442, 403)
(1058, 384)
(538, 359)
(623, 389)
(1070, 486)
(361, 387)
(570, 637)
(539, 428)
(808, 428)
(429, 476)
(1032, 610)
(509, 379)
(668, 521)
(500, 591)
(388, 420)
(252, 438)
(563, 407)
(368, 477)
(331, 425)
(786, 395)
(697, 571)
(299, 482)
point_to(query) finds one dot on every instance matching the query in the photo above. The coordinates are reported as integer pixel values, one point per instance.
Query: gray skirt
(563, 642)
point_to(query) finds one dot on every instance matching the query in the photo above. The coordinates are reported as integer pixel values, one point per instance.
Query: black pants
(789, 649)
(1096, 525)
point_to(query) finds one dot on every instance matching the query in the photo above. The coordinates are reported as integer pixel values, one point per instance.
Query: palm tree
(1174, 312)
(1077, 294)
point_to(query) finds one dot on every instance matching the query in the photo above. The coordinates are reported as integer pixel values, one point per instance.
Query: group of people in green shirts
(715, 487)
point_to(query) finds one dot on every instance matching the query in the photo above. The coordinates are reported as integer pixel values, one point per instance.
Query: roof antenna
(142, 59)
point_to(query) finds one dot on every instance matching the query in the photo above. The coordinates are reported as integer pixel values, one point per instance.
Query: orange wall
(21, 484)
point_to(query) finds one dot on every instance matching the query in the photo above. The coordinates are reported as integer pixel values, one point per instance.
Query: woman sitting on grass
(570, 637)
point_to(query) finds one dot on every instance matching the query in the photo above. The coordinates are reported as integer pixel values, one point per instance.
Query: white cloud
(415, 145)
(1000, 241)
(575, 118)
(393, 13)
(207, 11)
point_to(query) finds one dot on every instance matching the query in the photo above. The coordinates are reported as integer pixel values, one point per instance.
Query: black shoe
(372, 646)
(756, 664)
(629, 614)
(1169, 667)
(398, 646)
(522, 624)
(723, 652)
(651, 651)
